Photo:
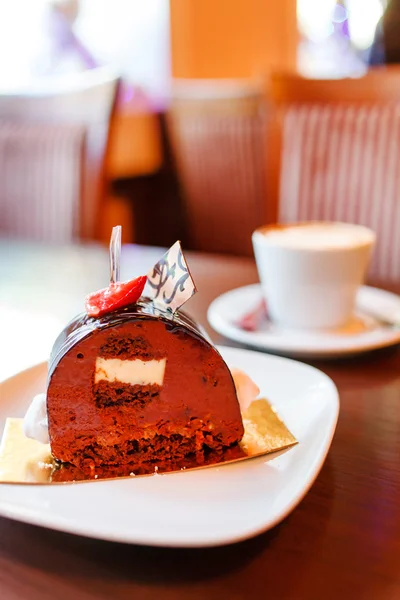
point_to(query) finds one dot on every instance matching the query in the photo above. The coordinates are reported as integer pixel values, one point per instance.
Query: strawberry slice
(117, 295)
(253, 319)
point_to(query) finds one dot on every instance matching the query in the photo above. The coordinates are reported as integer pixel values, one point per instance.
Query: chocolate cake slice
(137, 388)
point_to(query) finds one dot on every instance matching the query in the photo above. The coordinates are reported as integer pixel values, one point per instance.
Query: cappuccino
(318, 236)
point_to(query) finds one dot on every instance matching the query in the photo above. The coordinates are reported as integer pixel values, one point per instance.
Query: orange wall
(232, 38)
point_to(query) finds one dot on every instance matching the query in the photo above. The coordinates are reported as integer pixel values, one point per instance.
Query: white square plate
(207, 507)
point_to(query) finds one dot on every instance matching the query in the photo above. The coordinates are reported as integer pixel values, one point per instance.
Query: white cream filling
(35, 424)
(133, 372)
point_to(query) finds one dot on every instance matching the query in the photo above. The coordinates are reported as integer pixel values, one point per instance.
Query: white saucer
(362, 334)
(208, 507)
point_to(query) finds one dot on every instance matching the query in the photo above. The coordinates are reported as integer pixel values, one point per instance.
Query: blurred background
(194, 119)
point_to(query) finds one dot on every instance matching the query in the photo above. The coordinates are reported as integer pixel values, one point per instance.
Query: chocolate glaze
(82, 325)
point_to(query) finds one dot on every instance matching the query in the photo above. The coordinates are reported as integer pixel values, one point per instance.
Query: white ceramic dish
(363, 334)
(208, 507)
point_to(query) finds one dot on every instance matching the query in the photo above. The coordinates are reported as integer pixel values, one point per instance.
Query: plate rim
(228, 330)
(17, 514)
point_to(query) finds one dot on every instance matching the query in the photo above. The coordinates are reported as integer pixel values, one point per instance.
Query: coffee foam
(318, 236)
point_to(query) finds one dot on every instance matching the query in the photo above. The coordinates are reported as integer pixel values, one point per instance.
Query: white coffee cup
(310, 272)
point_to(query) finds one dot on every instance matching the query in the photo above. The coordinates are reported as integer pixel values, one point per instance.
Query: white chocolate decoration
(35, 421)
(133, 372)
(246, 389)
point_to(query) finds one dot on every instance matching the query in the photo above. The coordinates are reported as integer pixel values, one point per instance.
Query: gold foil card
(23, 460)
(264, 431)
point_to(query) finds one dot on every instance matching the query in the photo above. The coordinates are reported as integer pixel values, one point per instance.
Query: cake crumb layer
(117, 394)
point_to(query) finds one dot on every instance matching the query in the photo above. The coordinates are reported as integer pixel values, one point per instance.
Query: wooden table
(343, 541)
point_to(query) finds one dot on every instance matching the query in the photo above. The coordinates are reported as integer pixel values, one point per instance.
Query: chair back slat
(340, 160)
(40, 175)
(53, 149)
(218, 141)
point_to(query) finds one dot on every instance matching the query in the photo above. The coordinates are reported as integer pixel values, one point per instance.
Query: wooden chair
(216, 130)
(53, 148)
(334, 154)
